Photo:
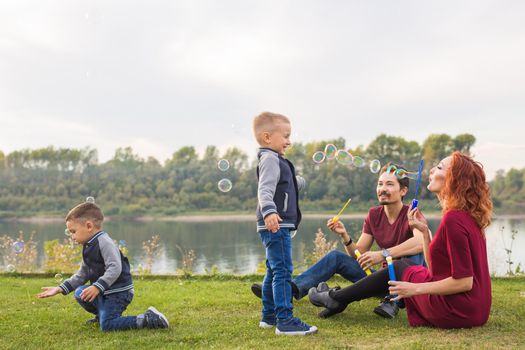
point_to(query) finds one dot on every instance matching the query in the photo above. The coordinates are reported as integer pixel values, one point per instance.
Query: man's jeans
(335, 262)
(277, 288)
(109, 309)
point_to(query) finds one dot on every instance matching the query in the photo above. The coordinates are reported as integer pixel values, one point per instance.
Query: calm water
(235, 246)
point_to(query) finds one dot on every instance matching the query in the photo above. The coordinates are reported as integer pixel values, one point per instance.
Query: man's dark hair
(392, 168)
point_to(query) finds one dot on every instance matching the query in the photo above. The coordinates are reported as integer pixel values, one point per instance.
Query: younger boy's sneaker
(268, 322)
(294, 326)
(92, 321)
(153, 318)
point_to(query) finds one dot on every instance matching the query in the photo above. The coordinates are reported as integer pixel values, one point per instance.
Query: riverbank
(219, 216)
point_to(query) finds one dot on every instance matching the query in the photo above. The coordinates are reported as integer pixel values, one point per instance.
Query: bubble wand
(391, 271)
(415, 202)
(358, 254)
(336, 218)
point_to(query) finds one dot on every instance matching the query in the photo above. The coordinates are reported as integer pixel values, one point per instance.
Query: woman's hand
(337, 227)
(417, 221)
(402, 289)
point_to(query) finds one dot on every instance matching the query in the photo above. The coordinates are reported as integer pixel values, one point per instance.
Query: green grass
(221, 312)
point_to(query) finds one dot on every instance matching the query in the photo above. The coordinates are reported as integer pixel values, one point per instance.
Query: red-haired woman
(455, 290)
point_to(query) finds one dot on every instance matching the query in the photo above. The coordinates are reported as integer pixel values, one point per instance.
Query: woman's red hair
(466, 189)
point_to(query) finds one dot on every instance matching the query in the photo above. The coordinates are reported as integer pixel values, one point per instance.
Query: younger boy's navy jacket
(103, 265)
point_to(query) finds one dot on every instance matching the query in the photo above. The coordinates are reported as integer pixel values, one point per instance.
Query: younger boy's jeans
(277, 288)
(109, 309)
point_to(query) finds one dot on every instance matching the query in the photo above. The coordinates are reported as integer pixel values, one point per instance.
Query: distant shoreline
(209, 217)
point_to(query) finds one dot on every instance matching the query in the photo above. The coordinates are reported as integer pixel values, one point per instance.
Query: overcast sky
(159, 75)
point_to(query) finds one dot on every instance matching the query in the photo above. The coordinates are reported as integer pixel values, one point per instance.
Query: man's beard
(385, 202)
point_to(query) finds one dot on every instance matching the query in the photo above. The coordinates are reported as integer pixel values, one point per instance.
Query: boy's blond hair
(266, 122)
(86, 212)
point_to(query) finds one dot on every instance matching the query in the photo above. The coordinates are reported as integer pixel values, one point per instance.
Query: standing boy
(277, 214)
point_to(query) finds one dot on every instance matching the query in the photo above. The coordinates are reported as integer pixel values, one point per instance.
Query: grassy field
(220, 312)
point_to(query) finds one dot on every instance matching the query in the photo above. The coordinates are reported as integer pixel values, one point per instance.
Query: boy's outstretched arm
(78, 279)
(49, 292)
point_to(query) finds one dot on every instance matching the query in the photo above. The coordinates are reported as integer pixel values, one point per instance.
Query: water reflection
(235, 246)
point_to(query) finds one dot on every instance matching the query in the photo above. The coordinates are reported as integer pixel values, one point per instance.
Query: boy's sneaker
(387, 308)
(294, 326)
(155, 319)
(268, 322)
(93, 320)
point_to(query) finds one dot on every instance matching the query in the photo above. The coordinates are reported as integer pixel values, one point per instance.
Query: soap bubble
(67, 232)
(10, 268)
(121, 244)
(293, 233)
(391, 169)
(223, 164)
(59, 277)
(90, 200)
(18, 247)
(412, 176)
(343, 157)
(225, 185)
(318, 157)
(330, 150)
(359, 162)
(401, 173)
(375, 166)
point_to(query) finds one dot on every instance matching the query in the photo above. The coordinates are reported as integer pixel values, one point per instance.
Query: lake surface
(235, 247)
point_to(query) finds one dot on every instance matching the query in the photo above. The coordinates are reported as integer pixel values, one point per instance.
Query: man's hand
(49, 292)
(337, 227)
(369, 259)
(272, 222)
(89, 294)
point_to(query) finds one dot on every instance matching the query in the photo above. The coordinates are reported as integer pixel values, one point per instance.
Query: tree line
(49, 181)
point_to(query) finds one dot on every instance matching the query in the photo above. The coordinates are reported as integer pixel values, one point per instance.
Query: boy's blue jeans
(277, 288)
(109, 309)
(335, 262)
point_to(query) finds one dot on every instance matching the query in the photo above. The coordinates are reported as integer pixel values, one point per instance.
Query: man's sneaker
(294, 326)
(268, 322)
(93, 320)
(257, 290)
(155, 319)
(387, 308)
